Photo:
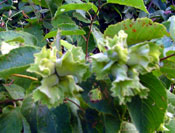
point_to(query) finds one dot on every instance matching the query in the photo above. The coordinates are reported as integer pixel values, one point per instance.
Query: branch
(11, 82)
(164, 58)
(173, 3)
(67, 99)
(90, 28)
(3, 2)
(150, 5)
(10, 101)
(10, 18)
(25, 76)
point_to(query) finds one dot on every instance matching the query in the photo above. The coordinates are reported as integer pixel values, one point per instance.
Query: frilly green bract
(125, 64)
(44, 64)
(60, 84)
(127, 84)
(53, 91)
(115, 52)
(72, 63)
(49, 92)
(144, 57)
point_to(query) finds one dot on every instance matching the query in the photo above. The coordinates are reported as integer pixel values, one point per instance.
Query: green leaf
(148, 114)
(62, 118)
(26, 126)
(171, 98)
(105, 105)
(52, 5)
(17, 60)
(53, 121)
(18, 36)
(66, 44)
(138, 31)
(37, 2)
(11, 122)
(70, 29)
(127, 127)
(80, 17)
(62, 19)
(36, 30)
(77, 6)
(171, 126)
(15, 91)
(112, 124)
(50, 34)
(168, 71)
(82, 43)
(134, 3)
(172, 27)
(29, 109)
(66, 29)
(92, 123)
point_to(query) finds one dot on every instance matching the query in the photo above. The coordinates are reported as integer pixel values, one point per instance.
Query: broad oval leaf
(134, 3)
(105, 105)
(112, 124)
(17, 60)
(172, 27)
(76, 6)
(18, 36)
(141, 30)
(11, 122)
(171, 98)
(29, 111)
(66, 29)
(56, 120)
(148, 114)
(15, 91)
(127, 127)
(171, 126)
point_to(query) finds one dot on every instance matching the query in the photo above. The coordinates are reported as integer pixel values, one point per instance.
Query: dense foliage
(87, 66)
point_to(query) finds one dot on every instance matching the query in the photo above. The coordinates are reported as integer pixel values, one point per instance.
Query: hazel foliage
(125, 64)
(58, 75)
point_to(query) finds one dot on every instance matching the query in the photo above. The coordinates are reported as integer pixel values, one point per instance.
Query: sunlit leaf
(151, 111)
(77, 6)
(134, 3)
(138, 31)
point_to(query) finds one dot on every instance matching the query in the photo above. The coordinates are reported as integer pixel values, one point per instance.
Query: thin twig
(173, 3)
(90, 16)
(36, 12)
(67, 99)
(10, 18)
(11, 82)
(11, 101)
(84, 38)
(90, 28)
(3, 2)
(25, 76)
(164, 58)
(150, 5)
